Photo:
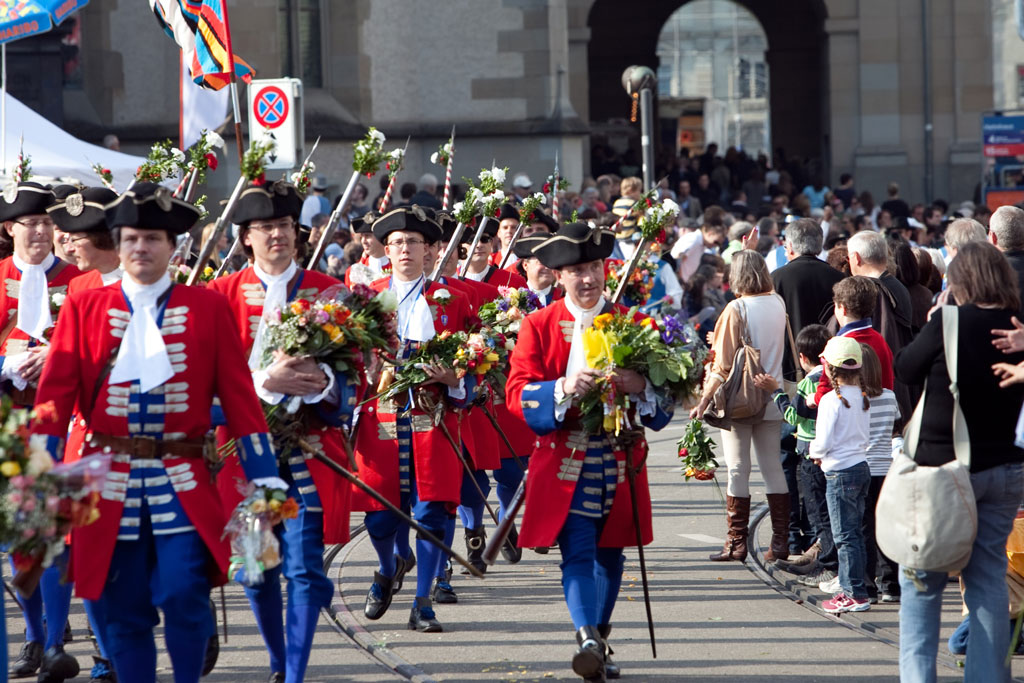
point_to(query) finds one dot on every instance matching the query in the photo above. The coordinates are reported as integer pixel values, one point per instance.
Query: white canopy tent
(57, 154)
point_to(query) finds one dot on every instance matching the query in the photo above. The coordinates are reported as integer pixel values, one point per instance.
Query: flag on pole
(201, 109)
(199, 29)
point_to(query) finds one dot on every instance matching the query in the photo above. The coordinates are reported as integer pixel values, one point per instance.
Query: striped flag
(199, 27)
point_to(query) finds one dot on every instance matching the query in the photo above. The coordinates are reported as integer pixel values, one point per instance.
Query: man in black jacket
(1006, 231)
(804, 283)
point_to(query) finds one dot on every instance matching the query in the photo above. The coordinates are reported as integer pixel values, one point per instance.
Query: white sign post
(275, 107)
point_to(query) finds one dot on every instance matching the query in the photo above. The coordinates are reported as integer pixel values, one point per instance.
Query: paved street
(714, 621)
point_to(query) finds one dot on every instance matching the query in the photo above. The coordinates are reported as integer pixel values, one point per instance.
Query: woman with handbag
(749, 333)
(984, 287)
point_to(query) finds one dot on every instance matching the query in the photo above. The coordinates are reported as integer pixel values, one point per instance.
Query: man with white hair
(1006, 231)
(426, 194)
(960, 232)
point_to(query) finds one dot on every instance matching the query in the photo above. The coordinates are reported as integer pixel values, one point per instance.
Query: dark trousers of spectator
(884, 571)
(812, 488)
(801, 535)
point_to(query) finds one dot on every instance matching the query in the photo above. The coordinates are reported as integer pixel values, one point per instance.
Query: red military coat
(207, 360)
(246, 293)
(58, 278)
(438, 468)
(541, 356)
(503, 278)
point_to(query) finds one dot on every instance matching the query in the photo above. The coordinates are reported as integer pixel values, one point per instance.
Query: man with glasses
(31, 278)
(268, 220)
(399, 450)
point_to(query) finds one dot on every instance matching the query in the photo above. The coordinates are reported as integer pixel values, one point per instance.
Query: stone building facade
(524, 80)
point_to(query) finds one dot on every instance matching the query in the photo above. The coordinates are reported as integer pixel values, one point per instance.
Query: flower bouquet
(670, 356)
(505, 314)
(368, 154)
(641, 280)
(105, 175)
(254, 546)
(23, 170)
(443, 153)
(559, 183)
(696, 451)
(180, 273)
(163, 161)
(530, 205)
(255, 158)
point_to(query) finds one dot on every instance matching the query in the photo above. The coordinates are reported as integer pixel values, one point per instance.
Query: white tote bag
(931, 518)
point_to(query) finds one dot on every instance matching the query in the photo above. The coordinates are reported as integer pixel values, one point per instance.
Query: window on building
(300, 32)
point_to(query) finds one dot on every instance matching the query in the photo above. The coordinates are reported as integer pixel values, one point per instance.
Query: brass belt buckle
(145, 447)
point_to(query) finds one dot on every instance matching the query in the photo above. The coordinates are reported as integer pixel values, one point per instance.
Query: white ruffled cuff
(562, 401)
(12, 370)
(646, 403)
(328, 390)
(259, 378)
(459, 392)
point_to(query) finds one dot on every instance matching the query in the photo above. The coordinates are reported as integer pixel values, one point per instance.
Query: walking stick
(631, 478)
(369, 490)
(501, 534)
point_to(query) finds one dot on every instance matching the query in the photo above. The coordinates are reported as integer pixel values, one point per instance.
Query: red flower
(387, 166)
(683, 452)
(497, 212)
(303, 304)
(211, 161)
(45, 412)
(650, 203)
(106, 171)
(260, 179)
(547, 188)
(660, 238)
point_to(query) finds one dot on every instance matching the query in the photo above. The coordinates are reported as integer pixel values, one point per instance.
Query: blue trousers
(168, 572)
(507, 480)
(847, 494)
(471, 507)
(98, 622)
(309, 590)
(591, 576)
(52, 596)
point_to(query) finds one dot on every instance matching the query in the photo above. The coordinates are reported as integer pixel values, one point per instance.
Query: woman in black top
(985, 290)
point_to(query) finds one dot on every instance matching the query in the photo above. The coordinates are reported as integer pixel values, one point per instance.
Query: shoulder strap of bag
(792, 342)
(950, 339)
(742, 306)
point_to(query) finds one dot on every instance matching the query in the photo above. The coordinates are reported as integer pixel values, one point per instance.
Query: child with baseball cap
(842, 434)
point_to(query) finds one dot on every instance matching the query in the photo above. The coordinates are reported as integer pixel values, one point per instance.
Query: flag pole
(3, 109)
(237, 110)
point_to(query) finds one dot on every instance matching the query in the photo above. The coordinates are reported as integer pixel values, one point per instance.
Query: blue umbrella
(21, 19)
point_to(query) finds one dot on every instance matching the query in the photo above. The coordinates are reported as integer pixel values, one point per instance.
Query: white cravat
(143, 354)
(584, 318)
(479, 277)
(415, 323)
(113, 276)
(276, 298)
(34, 297)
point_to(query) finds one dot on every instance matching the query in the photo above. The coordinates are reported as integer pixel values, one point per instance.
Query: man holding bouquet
(143, 360)
(576, 494)
(300, 395)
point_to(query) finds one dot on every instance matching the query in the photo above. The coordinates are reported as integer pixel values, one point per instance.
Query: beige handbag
(738, 400)
(930, 512)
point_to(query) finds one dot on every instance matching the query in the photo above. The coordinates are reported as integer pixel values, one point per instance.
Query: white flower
(58, 298)
(178, 155)
(499, 195)
(156, 149)
(295, 178)
(202, 209)
(397, 153)
(433, 158)
(484, 175)
(540, 197)
(376, 136)
(498, 174)
(457, 208)
(310, 166)
(442, 295)
(510, 343)
(39, 459)
(670, 206)
(448, 148)
(388, 300)
(214, 140)
(476, 195)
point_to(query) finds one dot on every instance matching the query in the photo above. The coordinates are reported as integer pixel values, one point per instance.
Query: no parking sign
(275, 106)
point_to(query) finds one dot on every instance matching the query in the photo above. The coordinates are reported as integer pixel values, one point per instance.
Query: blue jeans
(847, 492)
(998, 493)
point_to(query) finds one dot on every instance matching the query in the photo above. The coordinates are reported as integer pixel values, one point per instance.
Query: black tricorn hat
(24, 199)
(83, 211)
(63, 190)
(525, 246)
(409, 219)
(575, 243)
(149, 206)
(267, 202)
(507, 211)
(448, 224)
(364, 224)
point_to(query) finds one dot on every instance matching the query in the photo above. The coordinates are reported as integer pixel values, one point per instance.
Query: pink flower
(50, 531)
(322, 317)
(303, 321)
(29, 504)
(28, 533)
(18, 481)
(15, 498)
(52, 503)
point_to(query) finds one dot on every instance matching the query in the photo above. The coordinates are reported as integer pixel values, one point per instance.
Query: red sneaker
(844, 603)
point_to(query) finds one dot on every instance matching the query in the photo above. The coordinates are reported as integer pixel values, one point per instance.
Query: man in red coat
(480, 268)
(143, 359)
(33, 282)
(399, 451)
(268, 218)
(576, 494)
(374, 263)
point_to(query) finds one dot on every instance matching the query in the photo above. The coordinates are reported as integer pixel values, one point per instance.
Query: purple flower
(503, 305)
(322, 317)
(673, 330)
(532, 300)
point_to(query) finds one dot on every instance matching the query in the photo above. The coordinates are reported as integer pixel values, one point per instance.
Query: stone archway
(797, 60)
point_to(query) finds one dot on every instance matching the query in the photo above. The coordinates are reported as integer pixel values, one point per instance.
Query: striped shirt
(883, 414)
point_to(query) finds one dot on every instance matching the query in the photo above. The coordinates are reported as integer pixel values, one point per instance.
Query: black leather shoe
(402, 567)
(212, 645)
(476, 539)
(511, 550)
(588, 661)
(611, 669)
(378, 599)
(442, 593)
(276, 677)
(68, 635)
(57, 666)
(422, 617)
(28, 661)
(541, 551)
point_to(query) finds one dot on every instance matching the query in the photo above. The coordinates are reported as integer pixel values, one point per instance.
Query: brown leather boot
(778, 509)
(737, 511)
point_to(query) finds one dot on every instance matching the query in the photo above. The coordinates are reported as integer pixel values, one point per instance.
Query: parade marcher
(480, 268)
(399, 450)
(508, 221)
(374, 262)
(144, 360)
(576, 494)
(268, 220)
(539, 278)
(32, 278)
(81, 216)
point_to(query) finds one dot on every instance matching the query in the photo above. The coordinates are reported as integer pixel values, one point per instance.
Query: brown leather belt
(148, 447)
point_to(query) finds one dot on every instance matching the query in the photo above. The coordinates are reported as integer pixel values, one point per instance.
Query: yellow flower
(275, 505)
(296, 308)
(483, 368)
(601, 321)
(208, 271)
(10, 469)
(597, 347)
(334, 332)
(492, 357)
(258, 506)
